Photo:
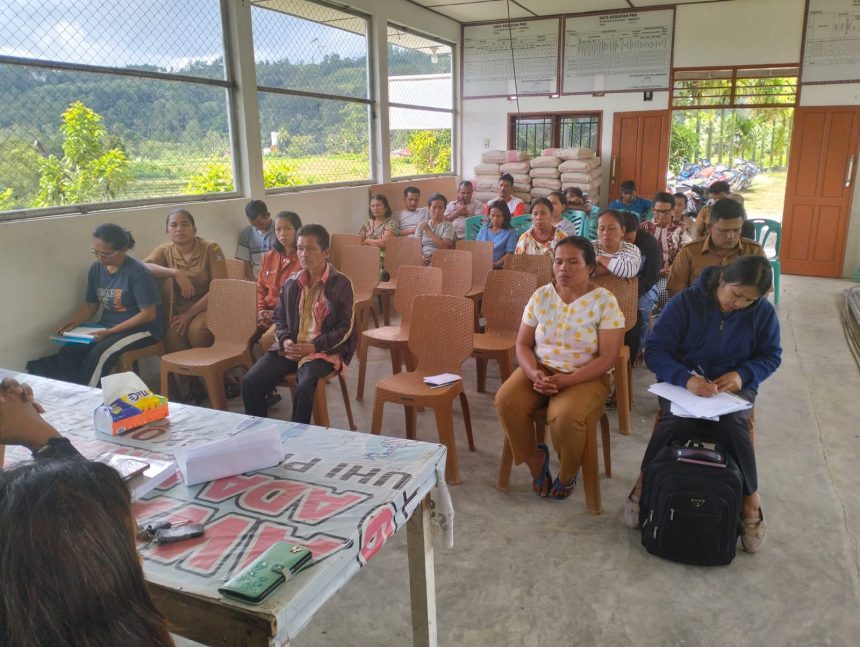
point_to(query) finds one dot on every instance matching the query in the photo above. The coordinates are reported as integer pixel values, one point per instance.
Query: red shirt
(274, 272)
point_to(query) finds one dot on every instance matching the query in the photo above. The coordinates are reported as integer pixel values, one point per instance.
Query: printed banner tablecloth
(342, 494)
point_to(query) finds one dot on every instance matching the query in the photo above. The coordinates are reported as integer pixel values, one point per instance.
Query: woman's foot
(753, 532)
(543, 481)
(563, 490)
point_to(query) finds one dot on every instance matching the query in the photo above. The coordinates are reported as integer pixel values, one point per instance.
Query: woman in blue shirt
(499, 232)
(131, 309)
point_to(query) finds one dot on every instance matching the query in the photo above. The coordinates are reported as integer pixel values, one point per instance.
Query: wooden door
(640, 151)
(821, 173)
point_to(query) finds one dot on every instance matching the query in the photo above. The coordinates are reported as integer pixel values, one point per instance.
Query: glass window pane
(313, 141)
(115, 148)
(532, 134)
(580, 132)
(419, 70)
(180, 37)
(420, 142)
(311, 48)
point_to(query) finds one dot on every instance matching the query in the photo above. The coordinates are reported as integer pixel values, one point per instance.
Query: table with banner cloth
(342, 494)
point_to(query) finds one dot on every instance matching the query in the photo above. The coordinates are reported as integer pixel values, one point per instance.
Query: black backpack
(690, 505)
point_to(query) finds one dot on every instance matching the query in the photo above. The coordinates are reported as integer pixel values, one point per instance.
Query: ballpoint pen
(702, 374)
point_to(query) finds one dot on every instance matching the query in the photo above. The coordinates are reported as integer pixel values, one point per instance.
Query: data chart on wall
(616, 52)
(503, 59)
(831, 49)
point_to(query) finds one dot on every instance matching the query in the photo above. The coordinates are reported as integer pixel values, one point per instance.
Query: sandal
(562, 491)
(541, 486)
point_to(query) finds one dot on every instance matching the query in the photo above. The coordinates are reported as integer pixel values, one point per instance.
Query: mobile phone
(127, 467)
(178, 533)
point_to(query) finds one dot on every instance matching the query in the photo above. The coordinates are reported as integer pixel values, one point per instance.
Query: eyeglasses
(104, 255)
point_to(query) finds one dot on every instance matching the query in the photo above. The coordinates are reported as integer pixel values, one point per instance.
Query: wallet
(257, 580)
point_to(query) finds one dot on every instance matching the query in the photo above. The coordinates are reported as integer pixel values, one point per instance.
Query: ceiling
(484, 10)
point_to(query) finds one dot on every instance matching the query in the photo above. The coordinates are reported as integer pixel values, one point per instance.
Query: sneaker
(631, 511)
(753, 533)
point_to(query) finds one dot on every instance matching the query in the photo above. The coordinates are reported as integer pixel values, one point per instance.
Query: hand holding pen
(699, 384)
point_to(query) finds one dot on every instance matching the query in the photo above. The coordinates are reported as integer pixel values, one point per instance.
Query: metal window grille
(421, 104)
(533, 133)
(579, 131)
(111, 102)
(312, 71)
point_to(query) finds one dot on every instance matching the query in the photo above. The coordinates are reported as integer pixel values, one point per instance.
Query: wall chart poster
(831, 50)
(488, 70)
(615, 52)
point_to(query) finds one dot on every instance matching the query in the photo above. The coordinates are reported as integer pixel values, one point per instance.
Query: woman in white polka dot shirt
(570, 336)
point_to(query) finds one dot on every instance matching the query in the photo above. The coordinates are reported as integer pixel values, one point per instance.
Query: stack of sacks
(579, 168)
(545, 175)
(493, 164)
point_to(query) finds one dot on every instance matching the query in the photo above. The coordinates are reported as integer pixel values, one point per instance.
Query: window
(534, 132)
(761, 87)
(114, 101)
(420, 96)
(312, 88)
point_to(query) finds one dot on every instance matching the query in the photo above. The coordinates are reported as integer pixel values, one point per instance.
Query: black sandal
(542, 485)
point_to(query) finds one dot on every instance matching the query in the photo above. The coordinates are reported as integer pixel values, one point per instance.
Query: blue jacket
(691, 331)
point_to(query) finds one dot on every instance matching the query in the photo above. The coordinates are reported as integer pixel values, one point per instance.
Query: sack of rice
(515, 167)
(579, 165)
(487, 169)
(544, 172)
(548, 161)
(538, 192)
(485, 196)
(546, 183)
(568, 153)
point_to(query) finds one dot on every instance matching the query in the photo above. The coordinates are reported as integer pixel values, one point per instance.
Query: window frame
(733, 78)
(555, 118)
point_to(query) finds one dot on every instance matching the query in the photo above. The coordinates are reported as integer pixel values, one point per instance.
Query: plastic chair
(398, 251)
(320, 406)
(440, 338)
(232, 317)
(473, 226)
(626, 292)
(236, 269)
(764, 229)
(522, 224)
(538, 264)
(361, 264)
(340, 241)
(505, 297)
(456, 266)
(577, 218)
(590, 468)
(414, 280)
(128, 360)
(482, 266)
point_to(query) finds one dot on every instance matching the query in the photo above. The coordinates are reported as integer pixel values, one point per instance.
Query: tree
(431, 150)
(89, 171)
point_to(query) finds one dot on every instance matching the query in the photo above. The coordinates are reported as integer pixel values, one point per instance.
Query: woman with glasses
(131, 316)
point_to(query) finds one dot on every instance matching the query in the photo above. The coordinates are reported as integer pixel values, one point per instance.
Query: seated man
(505, 190)
(629, 201)
(463, 207)
(313, 329)
(716, 191)
(720, 246)
(412, 216)
(257, 238)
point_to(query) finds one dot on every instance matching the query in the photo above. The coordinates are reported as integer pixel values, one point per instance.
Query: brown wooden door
(821, 173)
(640, 151)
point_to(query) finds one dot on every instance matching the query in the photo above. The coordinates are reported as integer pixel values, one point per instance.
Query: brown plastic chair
(482, 265)
(538, 264)
(626, 292)
(505, 297)
(320, 406)
(232, 317)
(339, 242)
(440, 338)
(361, 264)
(414, 280)
(456, 268)
(236, 269)
(589, 467)
(128, 360)
(398, 251)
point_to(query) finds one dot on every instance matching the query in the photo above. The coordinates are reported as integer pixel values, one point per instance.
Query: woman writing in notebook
(720, 335)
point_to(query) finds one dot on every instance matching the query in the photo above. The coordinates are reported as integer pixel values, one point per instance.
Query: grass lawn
(766, 197)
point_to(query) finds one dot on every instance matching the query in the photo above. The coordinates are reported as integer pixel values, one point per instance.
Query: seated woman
(277, 265)
(723, 329)
(542, 236)
(70, 569)
(436, 233)
(379, 227)
(499, 232)
(614, 254)
(131, 310)
(559, 206)
(569, 338)
(670, 235)
(190, 262)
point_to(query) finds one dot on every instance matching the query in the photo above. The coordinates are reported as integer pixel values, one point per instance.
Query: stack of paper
(80, 335)
(689, 405)
(444, 379)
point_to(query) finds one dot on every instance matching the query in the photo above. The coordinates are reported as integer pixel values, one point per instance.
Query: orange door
(818, 190)
(640, 151)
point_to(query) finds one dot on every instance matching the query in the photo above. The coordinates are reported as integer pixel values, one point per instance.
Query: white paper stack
(689, 405)
(443, 379)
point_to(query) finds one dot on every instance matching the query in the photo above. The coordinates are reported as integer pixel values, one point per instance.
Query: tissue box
(128, 405)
